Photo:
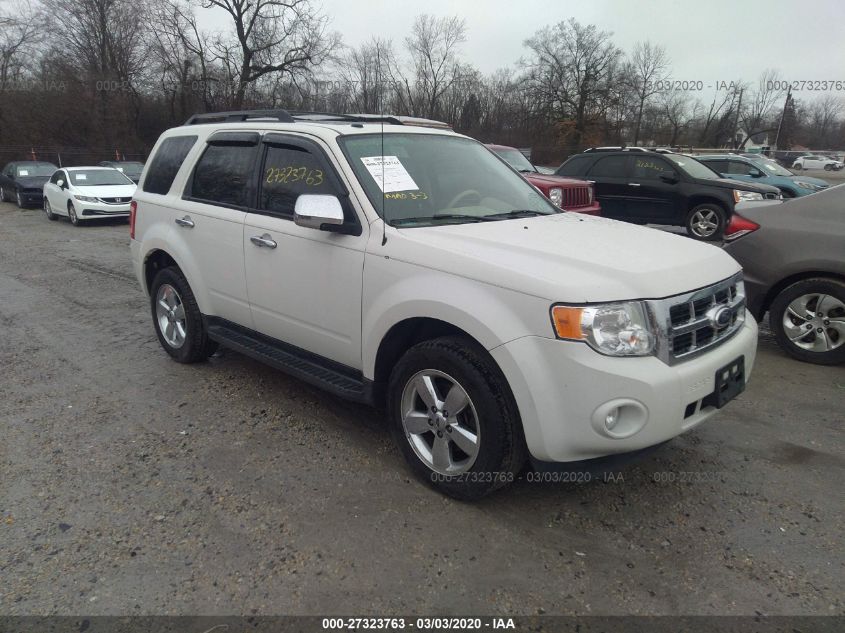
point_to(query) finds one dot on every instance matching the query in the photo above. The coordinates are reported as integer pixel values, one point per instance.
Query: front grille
(124, 200)
(772, 196)
(700, 320)
(574, 197)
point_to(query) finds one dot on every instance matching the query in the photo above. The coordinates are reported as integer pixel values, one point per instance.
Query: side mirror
(669, 178)
(61, 183)
(315, 210)
(756, 174)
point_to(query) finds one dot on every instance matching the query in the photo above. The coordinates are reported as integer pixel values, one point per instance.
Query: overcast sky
(707, 40)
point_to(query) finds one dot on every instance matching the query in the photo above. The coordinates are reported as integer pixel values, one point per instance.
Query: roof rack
(350, 118)
(240, 115)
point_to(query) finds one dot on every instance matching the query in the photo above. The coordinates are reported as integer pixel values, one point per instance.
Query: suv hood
(730, 183)
(566, 257)
(553, 181)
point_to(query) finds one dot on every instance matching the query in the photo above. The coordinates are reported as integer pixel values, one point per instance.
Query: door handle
(264, 241)
(186, 222)
(633, 184)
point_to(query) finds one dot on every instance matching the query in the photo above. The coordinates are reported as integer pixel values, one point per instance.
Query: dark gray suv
(649, 187)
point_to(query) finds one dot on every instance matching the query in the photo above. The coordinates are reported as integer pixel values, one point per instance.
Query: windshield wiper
(516, 213)
(443, 216)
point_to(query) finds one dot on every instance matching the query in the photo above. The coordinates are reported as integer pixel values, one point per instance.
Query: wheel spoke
(466, 440)
(427, 391)
(179, 312)
(180, 330)
(164, 305)
(168, 331)
(828, 304)
(416, 422)
(440, 453)
(794, 313)
(456, 400)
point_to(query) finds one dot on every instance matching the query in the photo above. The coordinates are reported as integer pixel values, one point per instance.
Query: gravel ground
(130, 484)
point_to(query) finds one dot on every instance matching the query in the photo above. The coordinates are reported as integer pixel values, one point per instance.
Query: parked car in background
(131, 168)
(814, 161)
(23, 181)
(411, 268)
(762, 171)
(569, 194)
(792, 255)
(646, 187)
(88, 193)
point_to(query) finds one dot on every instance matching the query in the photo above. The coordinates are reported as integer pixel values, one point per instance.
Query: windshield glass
(515, 159)
(427, 179)
(35, 169)
(130, 169)
(771, 167)
(691, 166)
(98, 178)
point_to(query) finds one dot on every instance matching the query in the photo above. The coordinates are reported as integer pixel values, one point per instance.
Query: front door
(304, 284)
(654, 190)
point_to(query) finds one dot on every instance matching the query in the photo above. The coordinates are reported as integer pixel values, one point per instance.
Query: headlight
(85, 198)
(746, 195)
(556, 196)
(615, 329)
(807, 185)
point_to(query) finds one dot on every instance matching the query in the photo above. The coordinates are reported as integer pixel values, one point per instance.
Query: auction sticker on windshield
(389, 173)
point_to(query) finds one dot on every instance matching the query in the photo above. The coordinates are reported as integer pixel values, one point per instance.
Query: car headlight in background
(740, 195)
(807, 185)
(85, 198)
(615, 329)
(556, 196)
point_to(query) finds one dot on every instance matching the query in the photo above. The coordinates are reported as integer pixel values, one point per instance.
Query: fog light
(611, 419)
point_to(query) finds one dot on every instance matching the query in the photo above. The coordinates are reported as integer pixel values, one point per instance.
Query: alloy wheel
(170, 314)
(440, 422)
(815, 322)
(704, 223)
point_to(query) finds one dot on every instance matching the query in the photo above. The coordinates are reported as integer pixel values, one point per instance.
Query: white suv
(410, 267)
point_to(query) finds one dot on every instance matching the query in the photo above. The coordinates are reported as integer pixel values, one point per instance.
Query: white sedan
(812, 161)
(87, 193)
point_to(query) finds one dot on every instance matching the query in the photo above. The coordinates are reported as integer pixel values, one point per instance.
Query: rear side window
(223, 173)
(166, 163)
(610, 167)
(575, 166)
(290, 171)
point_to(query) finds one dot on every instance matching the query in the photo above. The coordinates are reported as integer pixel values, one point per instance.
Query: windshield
(515, 159)
(35, 169)
(427, 179)
(98, 178)
(771, 167)
(130, 169)
(691, 167)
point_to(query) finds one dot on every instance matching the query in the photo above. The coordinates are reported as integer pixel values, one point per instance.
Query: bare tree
(286, 37)
(569, 69)
(759, 108)
(365, 71)
(648, 65)
(19, 34)
(823, 115)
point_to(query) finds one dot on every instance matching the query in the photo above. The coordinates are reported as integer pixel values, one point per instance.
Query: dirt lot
(130, 484)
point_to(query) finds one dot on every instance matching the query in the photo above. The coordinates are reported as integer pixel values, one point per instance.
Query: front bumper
(92, 210)
(32, 197)
(593, 209)
(562, 387)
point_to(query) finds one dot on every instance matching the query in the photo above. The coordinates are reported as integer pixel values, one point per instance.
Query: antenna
(381, 116)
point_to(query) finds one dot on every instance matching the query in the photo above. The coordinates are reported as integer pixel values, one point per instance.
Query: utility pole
(736, 119)
(783, 115)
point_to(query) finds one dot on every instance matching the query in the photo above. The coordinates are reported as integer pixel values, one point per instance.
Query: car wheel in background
(454, 418)
(48, 211)
(19, 199)
(71, 213)
(788, 193)
(2, 195)
(706, 222)
(177, 318)
(808, 320)
(828, 167)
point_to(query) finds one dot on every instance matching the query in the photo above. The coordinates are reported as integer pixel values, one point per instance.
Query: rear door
(210, 220)
(304, 284)
(612, 190)
(654, 186)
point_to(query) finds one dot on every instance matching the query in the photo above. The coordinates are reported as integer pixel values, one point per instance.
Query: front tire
(706, 222)
(2, 195)
(808, 320)
(177, 318)
(828, 167)
(19, 199)
(48, 211)
(71, 213)
(454, 418)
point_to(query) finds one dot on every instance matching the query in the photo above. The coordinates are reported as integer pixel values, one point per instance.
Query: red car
(567, 193)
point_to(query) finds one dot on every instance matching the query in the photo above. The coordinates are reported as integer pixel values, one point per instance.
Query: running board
(311, 368)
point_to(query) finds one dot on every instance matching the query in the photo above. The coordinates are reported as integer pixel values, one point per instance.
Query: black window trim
(352, 223)
(244, 139)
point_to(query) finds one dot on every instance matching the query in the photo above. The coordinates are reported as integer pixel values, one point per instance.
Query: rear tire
(828, 167)
(179, 325)
(472, 450)
(808, 320)
(706, 222)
